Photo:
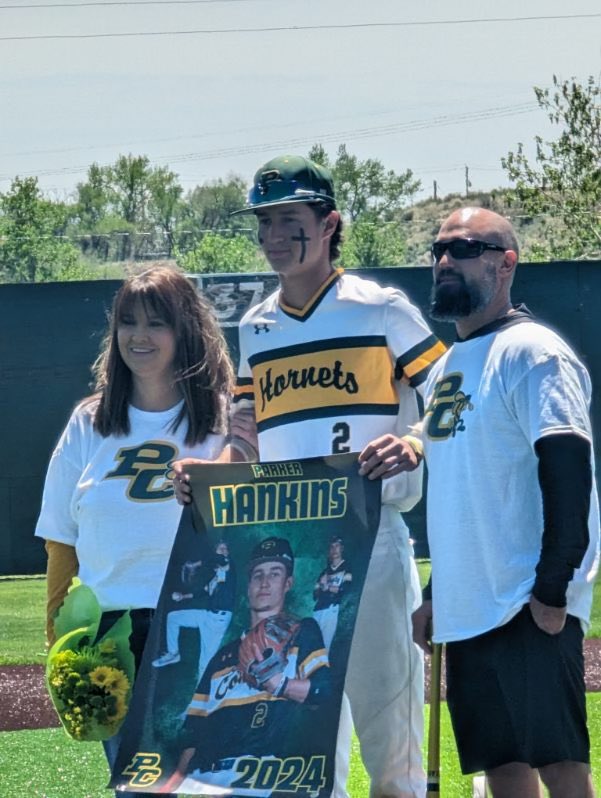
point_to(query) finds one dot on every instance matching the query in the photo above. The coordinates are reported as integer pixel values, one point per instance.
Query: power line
(295, 28)
(237, 131)
(121, 3)
(345, 135)
(362, 133)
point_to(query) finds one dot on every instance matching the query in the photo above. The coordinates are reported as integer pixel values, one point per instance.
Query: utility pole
(468, 185)
(435, 190)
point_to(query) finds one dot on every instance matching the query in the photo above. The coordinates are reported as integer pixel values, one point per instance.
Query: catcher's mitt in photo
(263, 651)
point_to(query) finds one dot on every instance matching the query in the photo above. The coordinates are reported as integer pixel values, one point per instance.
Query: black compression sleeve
(427, 590)
(565, 477)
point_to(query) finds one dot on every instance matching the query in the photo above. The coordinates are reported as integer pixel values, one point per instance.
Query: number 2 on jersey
(342, 435)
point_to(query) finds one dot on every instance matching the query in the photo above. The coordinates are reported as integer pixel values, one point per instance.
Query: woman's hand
(181, 480)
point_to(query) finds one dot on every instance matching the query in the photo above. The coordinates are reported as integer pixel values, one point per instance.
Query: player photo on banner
(240, 687)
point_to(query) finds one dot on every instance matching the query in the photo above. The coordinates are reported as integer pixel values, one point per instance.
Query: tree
(129, 186)
(129, 192)
(369, 197)
(219, 253)
(91, 209)
(33, 246)
(93, 199)
(564, 183)
(209, 207)
(165, 205)
(366, 189)
(371, 245)
(128, 209)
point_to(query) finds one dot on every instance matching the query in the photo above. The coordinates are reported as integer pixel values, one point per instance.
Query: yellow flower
(65, 658)
(118, 684)
(56, 679)
(112, 679)
(121, 709)
(90, 689)
(101, 675)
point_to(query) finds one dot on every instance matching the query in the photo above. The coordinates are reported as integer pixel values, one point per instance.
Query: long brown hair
(203, 369)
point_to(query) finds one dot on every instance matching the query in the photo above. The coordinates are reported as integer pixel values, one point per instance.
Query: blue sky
(432, 97)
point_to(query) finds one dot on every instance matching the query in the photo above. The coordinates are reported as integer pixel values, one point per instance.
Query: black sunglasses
(462, 248)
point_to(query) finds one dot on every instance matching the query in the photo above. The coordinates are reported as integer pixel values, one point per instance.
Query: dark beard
(450, 302)
(457, 300)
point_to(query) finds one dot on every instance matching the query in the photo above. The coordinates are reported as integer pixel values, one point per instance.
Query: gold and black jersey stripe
(415, 364)
(321, 379)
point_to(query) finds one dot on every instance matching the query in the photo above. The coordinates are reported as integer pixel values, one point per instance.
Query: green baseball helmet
(289, 178)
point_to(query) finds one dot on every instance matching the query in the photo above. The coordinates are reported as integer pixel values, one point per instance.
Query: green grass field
(22, 620)
(47, 764)
(22, 615)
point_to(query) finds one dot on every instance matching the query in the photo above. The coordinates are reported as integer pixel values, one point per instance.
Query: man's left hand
(386, 457)
(549, 619)
(421, 621)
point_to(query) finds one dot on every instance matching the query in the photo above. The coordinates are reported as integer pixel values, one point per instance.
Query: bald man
(513, 521)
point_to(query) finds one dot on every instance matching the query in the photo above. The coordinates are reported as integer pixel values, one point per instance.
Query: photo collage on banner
(241, 683)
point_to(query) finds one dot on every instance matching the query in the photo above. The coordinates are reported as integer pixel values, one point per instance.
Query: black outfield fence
(50, 334)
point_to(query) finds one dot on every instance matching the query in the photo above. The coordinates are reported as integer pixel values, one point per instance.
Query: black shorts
(517, 694)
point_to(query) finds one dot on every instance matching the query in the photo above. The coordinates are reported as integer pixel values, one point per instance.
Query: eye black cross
(303, 240)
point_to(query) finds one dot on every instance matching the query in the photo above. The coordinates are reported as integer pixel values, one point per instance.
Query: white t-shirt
(488, 400)
(112, 499)
(336, 374)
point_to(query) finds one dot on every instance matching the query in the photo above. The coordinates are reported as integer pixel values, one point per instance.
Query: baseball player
(244, 706)
(206, 606)
(330, 587)
(332, 363)
(513, 521)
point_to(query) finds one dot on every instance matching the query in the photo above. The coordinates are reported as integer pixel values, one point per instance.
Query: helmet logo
(268, 177)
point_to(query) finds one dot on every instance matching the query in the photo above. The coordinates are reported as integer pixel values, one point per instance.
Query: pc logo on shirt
(148, 469)
(444, 416)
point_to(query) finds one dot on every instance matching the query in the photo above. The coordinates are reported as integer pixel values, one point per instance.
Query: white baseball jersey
(112, 499)
(330, 378)
(336, 374)
(488, 400)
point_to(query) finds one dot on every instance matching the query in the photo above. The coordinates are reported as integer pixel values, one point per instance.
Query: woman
(109, 514)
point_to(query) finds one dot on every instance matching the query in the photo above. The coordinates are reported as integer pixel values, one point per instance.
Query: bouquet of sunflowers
(89, 682)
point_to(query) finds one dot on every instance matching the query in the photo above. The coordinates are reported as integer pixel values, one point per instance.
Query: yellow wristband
(416, 445)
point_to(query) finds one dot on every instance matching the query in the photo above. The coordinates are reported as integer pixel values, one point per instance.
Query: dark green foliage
(369, 196)
(564, 183)
(32, 229)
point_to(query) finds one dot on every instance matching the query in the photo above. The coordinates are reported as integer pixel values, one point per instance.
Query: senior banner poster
(240, 687)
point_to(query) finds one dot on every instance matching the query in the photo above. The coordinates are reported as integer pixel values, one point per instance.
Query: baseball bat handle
(433, 783)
